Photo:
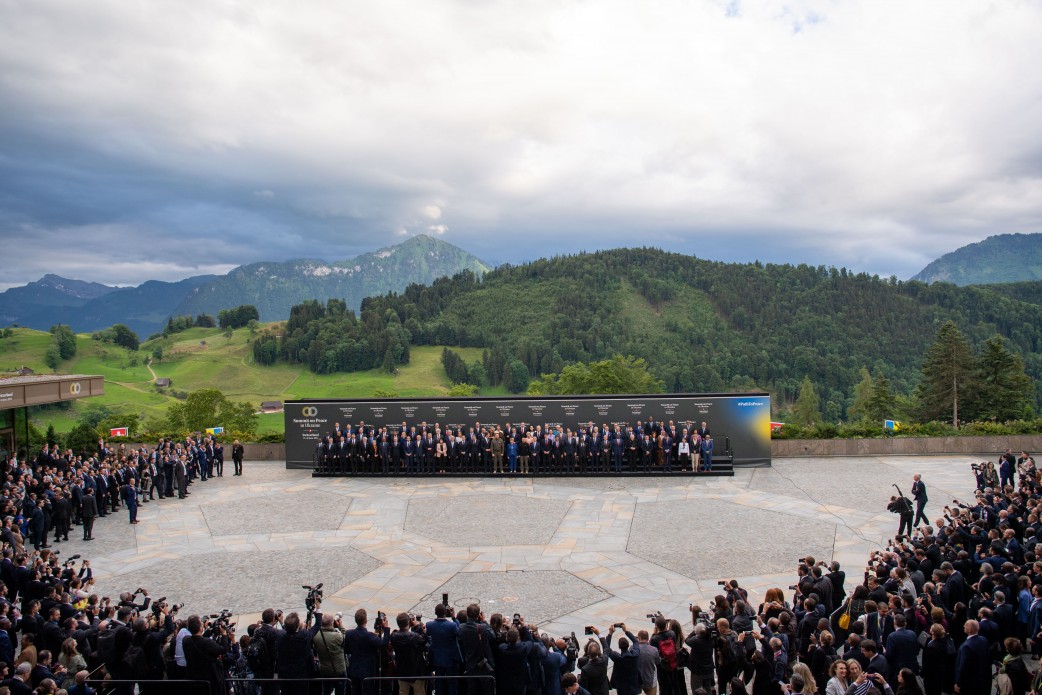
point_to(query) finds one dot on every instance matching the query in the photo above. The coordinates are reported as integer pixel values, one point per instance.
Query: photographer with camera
(411, 659)
(294, 656)
(625, 673)
(364, 649)
(203, 655)
(475, 640)
(700, 643)
(329, 649)
(443, 633)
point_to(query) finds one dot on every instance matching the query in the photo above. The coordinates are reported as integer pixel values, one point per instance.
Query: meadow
(207, 357)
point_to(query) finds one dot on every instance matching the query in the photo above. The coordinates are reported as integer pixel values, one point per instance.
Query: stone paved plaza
(564, 552)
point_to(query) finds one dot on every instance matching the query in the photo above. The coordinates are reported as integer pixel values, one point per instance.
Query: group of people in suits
(516, 448)
(59, 489)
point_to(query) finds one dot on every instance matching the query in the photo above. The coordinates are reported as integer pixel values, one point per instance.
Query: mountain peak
(1000, 258)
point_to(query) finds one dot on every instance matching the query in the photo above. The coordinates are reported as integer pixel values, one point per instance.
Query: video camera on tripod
(313, 597)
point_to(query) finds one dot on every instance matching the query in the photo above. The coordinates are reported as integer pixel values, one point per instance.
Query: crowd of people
(57, 490)
(953, 606)
(518, 448)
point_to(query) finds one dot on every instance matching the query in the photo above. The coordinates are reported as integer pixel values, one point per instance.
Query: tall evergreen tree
(1003, 389)
(947, 376)
(859, 408)
(807, 411)
(882, 403)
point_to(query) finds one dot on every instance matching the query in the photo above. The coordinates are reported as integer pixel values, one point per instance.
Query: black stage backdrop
(744, 419)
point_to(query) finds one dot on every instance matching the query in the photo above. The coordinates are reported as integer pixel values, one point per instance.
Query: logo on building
(75, 388)
(309, 411)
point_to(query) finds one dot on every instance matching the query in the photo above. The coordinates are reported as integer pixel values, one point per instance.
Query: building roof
(40, 389)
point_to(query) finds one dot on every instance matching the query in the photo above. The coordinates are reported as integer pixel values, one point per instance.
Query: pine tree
(859, 408)
(882, 402)
(947, 376)
(1003, 389)
(806, 411)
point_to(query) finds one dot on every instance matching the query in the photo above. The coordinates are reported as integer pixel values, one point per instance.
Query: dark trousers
(88, 526)
(920, 513)
(906, 522)
(238, 466)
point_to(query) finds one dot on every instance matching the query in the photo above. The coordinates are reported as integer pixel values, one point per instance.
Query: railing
(148, 686)
(344, 686)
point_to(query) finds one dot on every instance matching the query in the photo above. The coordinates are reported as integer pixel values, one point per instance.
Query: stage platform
(723, 467)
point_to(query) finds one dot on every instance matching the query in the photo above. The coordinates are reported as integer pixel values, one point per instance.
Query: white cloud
(875, 134)
(438, 229)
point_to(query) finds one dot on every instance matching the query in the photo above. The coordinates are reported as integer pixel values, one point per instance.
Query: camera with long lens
(219, 623)
(313, 597)
(703, 618)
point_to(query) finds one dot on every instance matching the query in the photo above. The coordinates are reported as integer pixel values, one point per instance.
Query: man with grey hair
(919, 494)
(18, 684)
(701, 664)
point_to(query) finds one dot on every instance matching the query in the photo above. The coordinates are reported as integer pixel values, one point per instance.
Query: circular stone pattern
(485, 520)
(540, 596)
(286, 512)
(710, 539)
(244, 582)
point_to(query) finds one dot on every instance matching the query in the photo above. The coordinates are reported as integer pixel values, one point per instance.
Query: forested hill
(997, 259)
(702, 325)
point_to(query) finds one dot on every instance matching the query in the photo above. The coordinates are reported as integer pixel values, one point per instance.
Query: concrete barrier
(987, 447)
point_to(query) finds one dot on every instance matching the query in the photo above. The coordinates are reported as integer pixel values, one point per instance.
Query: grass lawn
(205, 357)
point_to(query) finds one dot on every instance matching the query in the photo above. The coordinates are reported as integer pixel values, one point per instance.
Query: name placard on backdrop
(743, 418)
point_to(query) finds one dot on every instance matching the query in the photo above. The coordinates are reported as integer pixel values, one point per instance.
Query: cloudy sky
(161, 139)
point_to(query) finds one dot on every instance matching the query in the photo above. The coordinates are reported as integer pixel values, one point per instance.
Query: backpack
(107, 646)
(257, 654)
(136, 662)
(667, 649)
(683, 657)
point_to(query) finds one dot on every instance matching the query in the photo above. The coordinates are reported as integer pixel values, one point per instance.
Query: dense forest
(701, 325)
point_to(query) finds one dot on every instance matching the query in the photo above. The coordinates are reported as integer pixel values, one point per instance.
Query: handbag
(844, 619)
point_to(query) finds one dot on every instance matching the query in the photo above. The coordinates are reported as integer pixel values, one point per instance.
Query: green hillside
(204, 357)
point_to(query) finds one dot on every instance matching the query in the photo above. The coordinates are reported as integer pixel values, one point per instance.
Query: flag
(777, 426)
(215, 430)
(119, 432)
(892, 425)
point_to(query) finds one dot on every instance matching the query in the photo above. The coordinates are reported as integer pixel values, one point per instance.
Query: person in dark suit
(38, 525)
(88, 512)
(100, 490)
(130, 497)
(919, 495)
(512, 674)
(972, 666)
(363, 649)
(202, 656)
(238, 452)
(707, 451)
(18, 684)
(625, 676)
(475, 640)
(443, 633)
(703, 431)
(902, 650)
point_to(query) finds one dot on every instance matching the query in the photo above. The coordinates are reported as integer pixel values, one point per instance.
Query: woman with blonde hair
(809, 684)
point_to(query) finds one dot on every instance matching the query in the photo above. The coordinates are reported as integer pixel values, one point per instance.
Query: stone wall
(987, 447)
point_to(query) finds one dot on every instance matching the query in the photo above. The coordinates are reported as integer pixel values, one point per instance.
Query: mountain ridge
(272, 286)
(998, 259)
